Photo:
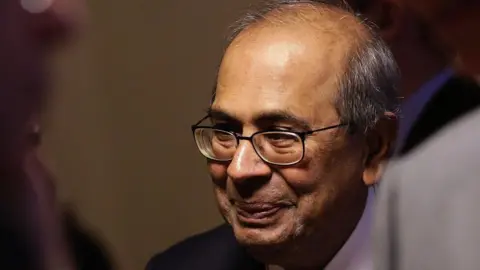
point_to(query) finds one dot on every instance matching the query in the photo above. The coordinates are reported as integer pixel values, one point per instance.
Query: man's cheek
(218, 173)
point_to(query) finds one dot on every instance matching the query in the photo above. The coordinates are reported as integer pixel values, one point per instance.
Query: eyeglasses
(274, 147)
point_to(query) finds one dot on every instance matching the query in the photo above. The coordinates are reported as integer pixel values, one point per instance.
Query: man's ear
(380, 146)
(388, 16)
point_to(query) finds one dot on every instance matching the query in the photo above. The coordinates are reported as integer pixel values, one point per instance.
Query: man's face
(456, 22)
(282, 78)
(29, 30)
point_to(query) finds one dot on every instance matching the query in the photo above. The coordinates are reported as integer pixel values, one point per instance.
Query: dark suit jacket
(216, 249)
(456, 98)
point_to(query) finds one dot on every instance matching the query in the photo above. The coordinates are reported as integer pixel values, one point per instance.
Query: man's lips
(257, 211)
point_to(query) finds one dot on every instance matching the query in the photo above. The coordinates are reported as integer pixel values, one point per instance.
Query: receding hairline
(322, 17)
(335, 29)
(368, 87)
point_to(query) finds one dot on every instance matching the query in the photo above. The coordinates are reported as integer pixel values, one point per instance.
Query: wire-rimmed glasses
(277, 147)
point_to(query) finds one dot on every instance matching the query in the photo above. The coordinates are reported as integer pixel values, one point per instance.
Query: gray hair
(368, 88)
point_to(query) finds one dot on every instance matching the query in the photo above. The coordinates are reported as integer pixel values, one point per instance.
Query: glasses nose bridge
(249, 139)
(245, 138)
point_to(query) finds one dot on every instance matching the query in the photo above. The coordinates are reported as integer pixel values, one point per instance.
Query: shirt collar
(356, 253)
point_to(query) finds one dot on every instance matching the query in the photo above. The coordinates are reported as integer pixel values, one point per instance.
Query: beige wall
(119, 130)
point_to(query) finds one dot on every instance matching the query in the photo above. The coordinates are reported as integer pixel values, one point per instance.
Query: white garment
(356, 252)
(413, 106)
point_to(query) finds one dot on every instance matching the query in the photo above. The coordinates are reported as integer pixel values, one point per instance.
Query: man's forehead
(273, 102)
(287, 64)
(304, 29)
(275, 50)
(285, 50)
(320, 22)
(285, 58)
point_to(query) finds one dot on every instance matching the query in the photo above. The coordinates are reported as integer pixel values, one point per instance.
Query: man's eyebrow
(217, 114)
(282, 116)
(274, 116)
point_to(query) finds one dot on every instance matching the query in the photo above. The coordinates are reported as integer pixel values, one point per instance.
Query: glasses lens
(279, 147)
(216, 144)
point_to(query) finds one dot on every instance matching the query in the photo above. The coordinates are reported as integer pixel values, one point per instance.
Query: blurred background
(118, 133)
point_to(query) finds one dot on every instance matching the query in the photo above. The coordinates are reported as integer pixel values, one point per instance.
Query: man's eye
(281, 140)
(278, 136)
(221, 135)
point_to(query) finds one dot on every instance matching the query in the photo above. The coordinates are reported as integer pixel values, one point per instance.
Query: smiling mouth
(259, 213)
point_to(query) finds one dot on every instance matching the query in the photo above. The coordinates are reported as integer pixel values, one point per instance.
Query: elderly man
(65, 243)
(428, 209)
(433, 95)
(300, 125)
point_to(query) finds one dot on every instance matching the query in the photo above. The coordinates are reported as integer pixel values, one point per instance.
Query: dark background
(118, 132)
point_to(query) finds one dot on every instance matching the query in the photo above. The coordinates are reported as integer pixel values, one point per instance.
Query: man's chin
(269, 245)
(258, 237)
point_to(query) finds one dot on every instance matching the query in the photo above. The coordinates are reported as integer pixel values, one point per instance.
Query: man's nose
(247, 164)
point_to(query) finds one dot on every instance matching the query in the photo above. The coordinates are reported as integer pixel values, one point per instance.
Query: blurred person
(29, 32)
(427, 216)
(456, 23)
(300, 125)
(52, 248)
(432, 93)
(66, 244)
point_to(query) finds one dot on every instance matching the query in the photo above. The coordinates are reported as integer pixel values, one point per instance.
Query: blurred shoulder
(431, 194)
(451, 156)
